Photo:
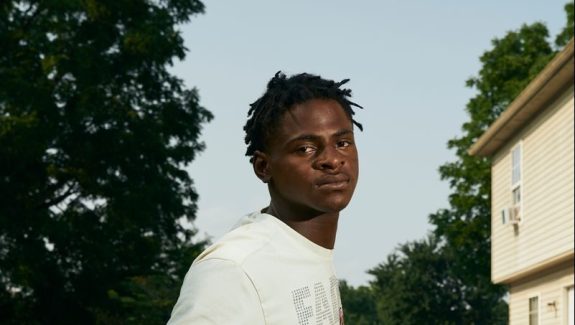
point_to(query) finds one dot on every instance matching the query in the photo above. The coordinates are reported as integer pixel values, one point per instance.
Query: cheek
(354, 165)
(292, 178)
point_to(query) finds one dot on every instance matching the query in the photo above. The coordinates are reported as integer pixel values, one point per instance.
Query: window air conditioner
(514, 215)
(505, 215)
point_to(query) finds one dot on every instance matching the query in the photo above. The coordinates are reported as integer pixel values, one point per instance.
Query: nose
(330, 159)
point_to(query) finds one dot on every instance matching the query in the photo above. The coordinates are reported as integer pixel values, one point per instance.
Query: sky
(408, 62)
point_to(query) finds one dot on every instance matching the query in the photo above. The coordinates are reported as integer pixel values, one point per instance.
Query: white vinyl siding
(551, 288)
(545, 174)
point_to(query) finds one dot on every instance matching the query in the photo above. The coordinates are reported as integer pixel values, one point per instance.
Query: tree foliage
(360, 304)
(446, 279)
(567, 34)
(415, 286)
(94, 137)
(465, 226)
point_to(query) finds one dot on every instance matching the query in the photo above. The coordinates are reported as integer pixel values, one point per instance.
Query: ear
(261, 166)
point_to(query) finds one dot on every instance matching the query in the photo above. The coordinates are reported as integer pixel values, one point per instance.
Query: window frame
(518, 184)
(566, 302)
(538, 296)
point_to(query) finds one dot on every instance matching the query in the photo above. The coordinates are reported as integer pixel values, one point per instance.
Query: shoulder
(217, 291)
(253, 234)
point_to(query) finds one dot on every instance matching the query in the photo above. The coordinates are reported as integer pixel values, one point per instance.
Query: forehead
(316, 116)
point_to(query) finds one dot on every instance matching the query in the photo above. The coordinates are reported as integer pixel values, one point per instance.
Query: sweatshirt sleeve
(217, 291)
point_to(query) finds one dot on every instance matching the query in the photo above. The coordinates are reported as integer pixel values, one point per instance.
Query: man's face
(312, 163)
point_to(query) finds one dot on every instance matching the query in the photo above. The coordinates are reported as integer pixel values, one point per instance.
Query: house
(531, 150)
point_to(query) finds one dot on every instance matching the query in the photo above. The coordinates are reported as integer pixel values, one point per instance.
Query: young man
(276, 266)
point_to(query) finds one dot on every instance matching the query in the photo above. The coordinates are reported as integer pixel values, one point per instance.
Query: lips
(334, 182)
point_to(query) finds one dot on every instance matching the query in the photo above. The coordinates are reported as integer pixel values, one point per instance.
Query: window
(570, 313)
(517, 195)
(516, 188)
(516, 165)
(534, 311)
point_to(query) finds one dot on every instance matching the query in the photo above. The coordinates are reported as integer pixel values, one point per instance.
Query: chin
(336, 206)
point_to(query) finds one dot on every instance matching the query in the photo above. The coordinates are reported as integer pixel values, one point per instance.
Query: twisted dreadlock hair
(284, 93)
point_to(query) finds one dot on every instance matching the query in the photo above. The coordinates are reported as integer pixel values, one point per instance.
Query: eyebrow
(342, 132)
(316, 137)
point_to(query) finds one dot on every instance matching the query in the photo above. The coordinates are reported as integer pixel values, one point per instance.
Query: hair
(284, 93)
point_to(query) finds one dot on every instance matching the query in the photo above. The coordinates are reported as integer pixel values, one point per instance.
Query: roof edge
(559, 64)
(546, 265)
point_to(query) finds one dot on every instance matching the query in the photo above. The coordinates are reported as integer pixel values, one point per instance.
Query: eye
(306, 149)
(344, 143)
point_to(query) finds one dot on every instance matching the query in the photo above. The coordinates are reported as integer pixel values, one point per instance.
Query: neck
(320, 228)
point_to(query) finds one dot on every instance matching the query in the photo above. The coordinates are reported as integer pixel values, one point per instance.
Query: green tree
(446, 279)
(415, 286)
(567, 34)
(95, 135)
(359, 304)
(464, 227)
